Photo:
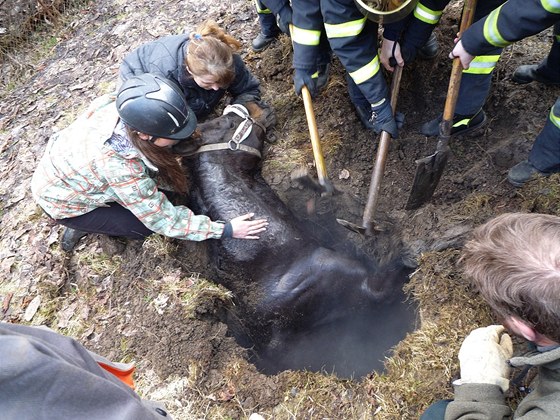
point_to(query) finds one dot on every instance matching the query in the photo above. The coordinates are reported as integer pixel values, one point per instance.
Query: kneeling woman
(204, 64)
(103, 174)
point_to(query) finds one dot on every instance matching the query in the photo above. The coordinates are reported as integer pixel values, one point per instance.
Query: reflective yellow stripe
(462, 122)
(366, 72)
(551, 6)
(557, 38)
(341, 30)
(483, 64)
(305, 36)
(429, 16)
(491, 32)
(554, 118)
(261, 11)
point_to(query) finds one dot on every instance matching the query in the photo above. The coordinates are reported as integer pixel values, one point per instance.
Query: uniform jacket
(44, 375)
(415, 29)
(166, 56)
(509, 23)
(485, 401)
(81, 171)
(352, 37)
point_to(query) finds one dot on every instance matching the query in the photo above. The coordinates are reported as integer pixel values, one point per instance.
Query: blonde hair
(210, 52)
(514, 261)
(169, 166)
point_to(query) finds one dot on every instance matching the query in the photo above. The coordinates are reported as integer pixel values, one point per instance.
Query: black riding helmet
(154, 105)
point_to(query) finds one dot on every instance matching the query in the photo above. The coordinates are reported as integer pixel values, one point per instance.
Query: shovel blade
(426, 179)
(367, 229)
(352, 226)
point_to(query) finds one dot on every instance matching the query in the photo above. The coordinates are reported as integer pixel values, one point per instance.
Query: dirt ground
(154, 303)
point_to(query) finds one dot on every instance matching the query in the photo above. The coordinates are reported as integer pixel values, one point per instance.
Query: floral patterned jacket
(81, 170)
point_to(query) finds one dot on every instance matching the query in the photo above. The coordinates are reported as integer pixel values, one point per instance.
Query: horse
(286, 283)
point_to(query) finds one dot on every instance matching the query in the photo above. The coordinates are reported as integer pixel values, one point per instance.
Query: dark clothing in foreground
(44, 375)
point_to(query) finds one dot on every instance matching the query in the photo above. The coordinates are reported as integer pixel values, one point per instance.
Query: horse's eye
(231, 124)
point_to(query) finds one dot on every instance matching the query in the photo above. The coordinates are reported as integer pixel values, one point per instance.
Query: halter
(242, 131)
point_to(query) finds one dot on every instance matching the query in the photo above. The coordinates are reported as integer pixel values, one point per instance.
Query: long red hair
(170, 170)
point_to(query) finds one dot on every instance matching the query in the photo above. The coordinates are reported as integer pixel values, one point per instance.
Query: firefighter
(414, 31)
(272, 21)
(353, 38)
(515, 20)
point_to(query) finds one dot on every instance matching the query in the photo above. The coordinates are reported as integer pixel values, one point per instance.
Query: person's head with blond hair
(209, 57)
(514, 261)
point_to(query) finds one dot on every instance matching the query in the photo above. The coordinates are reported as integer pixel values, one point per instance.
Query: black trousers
(114, 220)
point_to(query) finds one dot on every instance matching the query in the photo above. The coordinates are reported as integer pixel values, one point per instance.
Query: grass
(315, 395)
(542, 195)
(202, 290)
(100, 264)
(425, 362)
(159, 246)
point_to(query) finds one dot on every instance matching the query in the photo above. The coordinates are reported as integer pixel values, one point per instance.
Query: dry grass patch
(542, 195)
(425, 362)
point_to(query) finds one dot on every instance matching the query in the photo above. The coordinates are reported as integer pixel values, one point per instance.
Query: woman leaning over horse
(105, 173)
(204, 64)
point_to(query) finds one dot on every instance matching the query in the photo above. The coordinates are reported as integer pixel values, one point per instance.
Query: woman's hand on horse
(244, 228)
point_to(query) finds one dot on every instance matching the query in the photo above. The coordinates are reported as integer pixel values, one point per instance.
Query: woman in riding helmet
(203, 63)
(103, 173)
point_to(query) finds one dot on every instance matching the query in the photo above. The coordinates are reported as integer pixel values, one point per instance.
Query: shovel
(379, 168)
(325, 187)
(430, 168)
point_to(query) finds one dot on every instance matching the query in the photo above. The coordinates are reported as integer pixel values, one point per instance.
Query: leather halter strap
(242, 131)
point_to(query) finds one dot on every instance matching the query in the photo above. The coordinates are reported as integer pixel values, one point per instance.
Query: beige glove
(483, 357)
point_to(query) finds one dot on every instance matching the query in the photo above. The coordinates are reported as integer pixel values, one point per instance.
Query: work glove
(303, 77)
(483, 357)
(382, 119)
(284, 19)
(408, 52)
(390, 54)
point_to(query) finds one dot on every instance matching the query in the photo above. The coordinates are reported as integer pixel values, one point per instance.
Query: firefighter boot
(530, 73)
(462, 124)
(522, 172)
(379, 118)
(262, 41)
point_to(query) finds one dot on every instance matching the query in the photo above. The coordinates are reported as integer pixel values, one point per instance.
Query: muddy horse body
(287, 281)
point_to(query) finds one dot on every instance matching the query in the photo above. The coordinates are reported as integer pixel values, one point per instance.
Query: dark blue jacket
(515, 20)
(166, 56)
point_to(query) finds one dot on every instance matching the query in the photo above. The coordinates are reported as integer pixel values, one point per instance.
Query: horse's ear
(262, 113)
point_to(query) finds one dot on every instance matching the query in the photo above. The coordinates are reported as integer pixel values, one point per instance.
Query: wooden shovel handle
(314, 134)
(380, 160)
(456, 72)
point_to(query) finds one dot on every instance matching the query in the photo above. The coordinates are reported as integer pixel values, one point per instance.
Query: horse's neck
(221, 185)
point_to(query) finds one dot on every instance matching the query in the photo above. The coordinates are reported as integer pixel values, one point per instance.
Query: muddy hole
(351, 341)
(349, 348)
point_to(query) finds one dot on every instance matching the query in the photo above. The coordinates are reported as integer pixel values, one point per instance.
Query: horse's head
(237, 136)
